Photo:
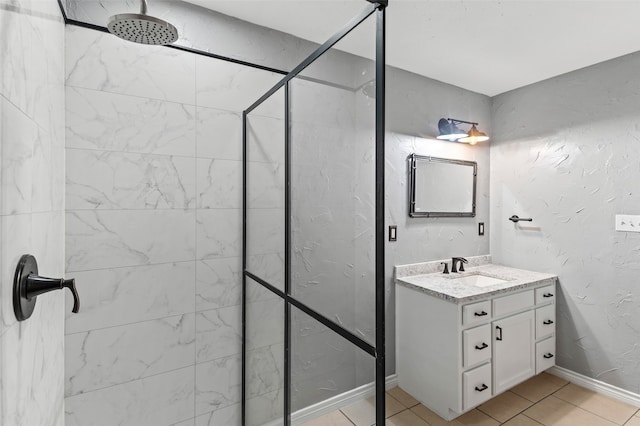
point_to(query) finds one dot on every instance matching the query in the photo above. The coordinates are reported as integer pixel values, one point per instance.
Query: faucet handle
(462, 262)
(454, 262)
(446, 267)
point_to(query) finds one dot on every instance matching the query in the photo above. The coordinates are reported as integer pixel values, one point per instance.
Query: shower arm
(143, 7)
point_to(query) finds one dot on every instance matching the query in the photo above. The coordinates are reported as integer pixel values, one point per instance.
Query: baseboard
(596, 385)
(335, 403)
(339, 401)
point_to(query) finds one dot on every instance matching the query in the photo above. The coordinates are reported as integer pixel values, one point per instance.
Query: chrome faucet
(455, 261)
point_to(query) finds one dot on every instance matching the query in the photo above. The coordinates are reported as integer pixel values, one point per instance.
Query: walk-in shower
(155, 150)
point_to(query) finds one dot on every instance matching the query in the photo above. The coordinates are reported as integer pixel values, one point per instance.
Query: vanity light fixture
(475, 136)
(449, 130)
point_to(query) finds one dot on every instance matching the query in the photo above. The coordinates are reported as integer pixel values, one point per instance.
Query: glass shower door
(313, 230)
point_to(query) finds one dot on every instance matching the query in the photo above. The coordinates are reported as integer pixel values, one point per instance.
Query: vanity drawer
(545, 294)
(476, 312)
(545, 321)
(476, 345)
(476, 386)
(545, 354)
(512, 303)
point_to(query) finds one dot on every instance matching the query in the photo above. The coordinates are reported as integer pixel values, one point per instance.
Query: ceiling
(486, 46)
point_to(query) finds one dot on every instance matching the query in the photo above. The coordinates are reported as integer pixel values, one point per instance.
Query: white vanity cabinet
(454, 356)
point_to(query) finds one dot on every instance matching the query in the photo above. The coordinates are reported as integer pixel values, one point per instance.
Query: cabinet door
(513, 350)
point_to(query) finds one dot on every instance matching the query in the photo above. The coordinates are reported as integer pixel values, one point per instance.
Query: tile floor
(543, 400)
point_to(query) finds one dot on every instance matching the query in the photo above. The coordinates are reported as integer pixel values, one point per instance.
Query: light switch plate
(393, 233)
(628, 223)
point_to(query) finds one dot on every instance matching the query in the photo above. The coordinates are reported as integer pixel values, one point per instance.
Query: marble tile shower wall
(154, 232)
(31, 208)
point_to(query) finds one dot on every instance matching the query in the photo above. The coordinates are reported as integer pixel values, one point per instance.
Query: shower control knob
(27, 285)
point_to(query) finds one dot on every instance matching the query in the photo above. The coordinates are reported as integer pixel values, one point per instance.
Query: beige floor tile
(406, 418)
(476, 418)
(472, 418)
(505, 406)
(403, 397)
(633, 421)
(521, 420)
(335, 418)
(430, 417)
(552, 411)
(539, 387)
(609, 408)
(363, 413)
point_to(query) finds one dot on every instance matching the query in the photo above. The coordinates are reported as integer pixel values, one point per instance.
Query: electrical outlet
(627, 223)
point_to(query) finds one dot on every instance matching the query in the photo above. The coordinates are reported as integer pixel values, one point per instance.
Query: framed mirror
(441, 187)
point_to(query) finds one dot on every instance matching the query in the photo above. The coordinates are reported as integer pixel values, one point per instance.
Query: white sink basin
(478, 280)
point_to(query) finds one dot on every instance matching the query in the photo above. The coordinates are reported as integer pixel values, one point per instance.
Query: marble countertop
(446, 287)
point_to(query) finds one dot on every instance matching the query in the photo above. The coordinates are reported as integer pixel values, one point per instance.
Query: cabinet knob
(547, 356)
(480, 314)
(482, 388)
(547, 322)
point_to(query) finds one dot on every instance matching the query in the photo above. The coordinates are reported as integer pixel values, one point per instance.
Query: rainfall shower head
(142, 28)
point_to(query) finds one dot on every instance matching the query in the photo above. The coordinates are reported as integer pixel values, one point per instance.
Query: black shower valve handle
(28, 285)
(37, 285)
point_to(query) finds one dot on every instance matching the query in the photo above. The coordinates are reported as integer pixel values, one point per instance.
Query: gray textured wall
(565, 152)
(414, 106)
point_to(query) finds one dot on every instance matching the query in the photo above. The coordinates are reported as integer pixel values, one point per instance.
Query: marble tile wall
(153, 216)
(31, 208)
(210, 31)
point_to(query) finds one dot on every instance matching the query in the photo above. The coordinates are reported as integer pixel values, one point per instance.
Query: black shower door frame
(377, 351)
